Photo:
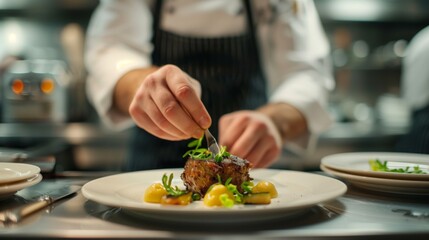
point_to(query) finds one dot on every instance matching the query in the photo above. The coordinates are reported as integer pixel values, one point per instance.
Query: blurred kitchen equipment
(35, 91)
(45, 163)
(72, 41)
(393, 111)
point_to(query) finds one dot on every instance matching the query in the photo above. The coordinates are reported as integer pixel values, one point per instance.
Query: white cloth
(415, 76)
(292, 43)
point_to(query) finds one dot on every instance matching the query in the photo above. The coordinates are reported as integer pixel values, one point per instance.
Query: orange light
(17, 86)
(47, 85)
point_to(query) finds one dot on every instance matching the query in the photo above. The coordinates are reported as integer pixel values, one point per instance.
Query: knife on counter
(15, 215)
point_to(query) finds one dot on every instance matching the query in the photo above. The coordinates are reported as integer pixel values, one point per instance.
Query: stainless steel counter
(359, 214)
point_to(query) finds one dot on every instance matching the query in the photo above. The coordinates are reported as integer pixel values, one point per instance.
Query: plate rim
(87, 193)
(16, 186)
(327, 161)
(32, 171)
(387, 183)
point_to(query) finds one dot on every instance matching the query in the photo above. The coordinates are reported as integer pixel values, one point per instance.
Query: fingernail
(204, 122)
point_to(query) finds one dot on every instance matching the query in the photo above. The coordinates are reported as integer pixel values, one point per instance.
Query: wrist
(127, 86)
(289, 121)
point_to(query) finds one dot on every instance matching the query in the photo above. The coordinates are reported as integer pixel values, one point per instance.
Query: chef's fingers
(230, 129)
(183, 87)
(159, 115)
(144, 121)
(249, 139)
(171, 113)
(143, 103)
(264, 153)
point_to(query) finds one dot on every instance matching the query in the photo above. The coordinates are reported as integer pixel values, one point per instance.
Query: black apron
(417, 139)
(229, 71)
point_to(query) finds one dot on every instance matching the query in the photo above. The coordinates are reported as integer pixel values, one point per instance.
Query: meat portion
(199, 175)
(237, 169)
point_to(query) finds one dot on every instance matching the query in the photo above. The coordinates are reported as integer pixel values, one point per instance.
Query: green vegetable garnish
(172, 191)
(247, 186)
(203, 153)
(226, 201)
(238, 197)
(196, 196)
(378, 166)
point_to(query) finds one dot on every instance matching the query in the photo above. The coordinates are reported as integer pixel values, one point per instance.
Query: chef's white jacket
(415, 76)
(293, 47)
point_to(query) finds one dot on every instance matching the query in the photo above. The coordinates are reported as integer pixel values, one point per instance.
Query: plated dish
(297, 191)
(358, 164)
(397, 186)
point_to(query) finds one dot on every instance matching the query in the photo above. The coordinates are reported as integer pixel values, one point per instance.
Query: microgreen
(247, 186)
(238, 197)
(226, 200)
(201, 153)
(173, 191)
(377, 165)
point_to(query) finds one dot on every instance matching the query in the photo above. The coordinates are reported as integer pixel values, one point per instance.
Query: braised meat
(199, 175)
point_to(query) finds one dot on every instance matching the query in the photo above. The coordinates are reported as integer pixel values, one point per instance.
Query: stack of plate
(355, 168)
(17, 176)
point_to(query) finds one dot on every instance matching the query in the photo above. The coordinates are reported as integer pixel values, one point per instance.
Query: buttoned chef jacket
(293, 48)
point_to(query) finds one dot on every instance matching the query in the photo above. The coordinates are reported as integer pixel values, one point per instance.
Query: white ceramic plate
(397, 186)
(9, 189)
(358, 164)
(12, 172)
(297, 191)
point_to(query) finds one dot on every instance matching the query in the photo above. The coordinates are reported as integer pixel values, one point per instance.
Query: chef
(256, 73)
(415, 92)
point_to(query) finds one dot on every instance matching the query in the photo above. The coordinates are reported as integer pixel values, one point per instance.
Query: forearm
(126, 87)
(290, 122)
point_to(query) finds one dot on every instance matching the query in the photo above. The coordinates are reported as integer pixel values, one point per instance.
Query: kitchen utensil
(211, 142)
(15, 215)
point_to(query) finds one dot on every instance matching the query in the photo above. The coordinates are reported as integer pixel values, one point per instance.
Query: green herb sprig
(203, 153)
(238, 196)
(377, 165)
(172, 191)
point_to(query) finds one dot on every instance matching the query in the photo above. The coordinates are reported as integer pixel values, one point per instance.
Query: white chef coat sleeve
(118, 40)
(415, 74)
(296, 56)
(297, 63)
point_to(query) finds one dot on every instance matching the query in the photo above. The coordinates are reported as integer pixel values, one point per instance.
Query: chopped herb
(247, 186)
(172, 191)
(226, 200)
(203, 153)
(377, 165)
(238, 197)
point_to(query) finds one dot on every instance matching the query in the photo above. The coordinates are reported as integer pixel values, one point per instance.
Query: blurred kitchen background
(41, 44)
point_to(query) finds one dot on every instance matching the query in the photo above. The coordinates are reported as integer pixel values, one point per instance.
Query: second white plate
(397, 186)
(12, 172)
(9, 189)
(358, 164)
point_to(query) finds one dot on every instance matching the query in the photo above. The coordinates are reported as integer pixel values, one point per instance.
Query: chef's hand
(250, 135)
(167, 104)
